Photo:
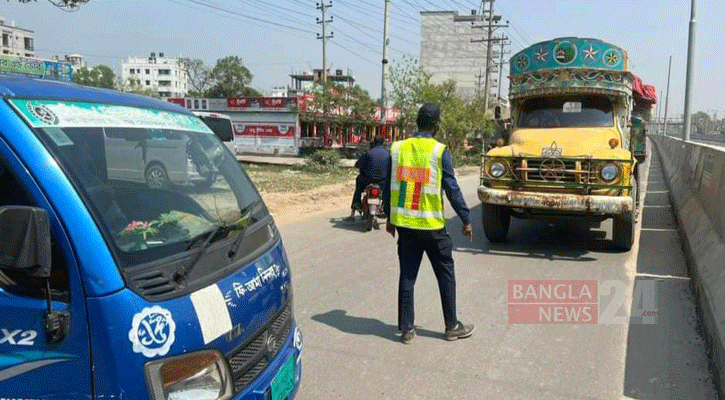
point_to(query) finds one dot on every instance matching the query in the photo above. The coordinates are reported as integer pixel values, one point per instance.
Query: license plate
(284, 382)
(374, 201)
(549, 152)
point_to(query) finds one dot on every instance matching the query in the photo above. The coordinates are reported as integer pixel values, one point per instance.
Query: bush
(323, 161)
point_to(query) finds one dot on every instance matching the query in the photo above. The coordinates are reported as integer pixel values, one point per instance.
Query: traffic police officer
(421, 169)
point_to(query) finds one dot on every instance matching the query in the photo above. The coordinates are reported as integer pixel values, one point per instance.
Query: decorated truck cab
(568, 153)
(115, 287)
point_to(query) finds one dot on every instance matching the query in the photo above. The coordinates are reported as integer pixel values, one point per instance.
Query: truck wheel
(156, 176)
(496, 221)
(623, 225)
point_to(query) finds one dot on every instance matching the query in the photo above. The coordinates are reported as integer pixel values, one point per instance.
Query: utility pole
(690, 71)
(667, 98)
(322, 7)
(501, 63)
(386, 42)
(491, 25)
(478, 86)
(659, 113)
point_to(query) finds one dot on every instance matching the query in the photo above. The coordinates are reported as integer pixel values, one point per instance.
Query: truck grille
(553, 170)
(251, 358)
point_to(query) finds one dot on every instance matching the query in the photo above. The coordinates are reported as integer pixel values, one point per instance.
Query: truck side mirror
(25, 240)
(25, 247)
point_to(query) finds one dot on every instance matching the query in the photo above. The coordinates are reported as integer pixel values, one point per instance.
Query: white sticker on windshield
(572, 107)
(59, 137)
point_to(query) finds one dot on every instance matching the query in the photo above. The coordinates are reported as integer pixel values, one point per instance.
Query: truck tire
(623, 225)
(496, 220)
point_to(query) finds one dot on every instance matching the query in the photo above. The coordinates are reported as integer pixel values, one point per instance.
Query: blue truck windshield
(566, 112)
(157, 182)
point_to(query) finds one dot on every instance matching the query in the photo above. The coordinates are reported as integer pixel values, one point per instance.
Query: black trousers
(412, 243)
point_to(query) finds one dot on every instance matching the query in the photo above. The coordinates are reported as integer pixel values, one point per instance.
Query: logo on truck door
(152, 331)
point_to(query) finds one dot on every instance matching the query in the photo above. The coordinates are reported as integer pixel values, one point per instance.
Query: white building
(162, 74)
(446, 50)
(16, 41)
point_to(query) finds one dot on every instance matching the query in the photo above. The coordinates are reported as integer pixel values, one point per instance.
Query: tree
(702, 122)
(133, 85)
(198, 76)
(67, 5)
(231, 79)
(412, 87)
(98, 76)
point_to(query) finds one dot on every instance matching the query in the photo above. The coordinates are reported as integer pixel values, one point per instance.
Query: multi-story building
(446, 50)
(164, 75)
(16, 41)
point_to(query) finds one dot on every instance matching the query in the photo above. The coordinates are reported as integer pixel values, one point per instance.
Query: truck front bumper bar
(596, 205)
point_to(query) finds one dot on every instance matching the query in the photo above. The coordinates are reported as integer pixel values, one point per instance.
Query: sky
(277, 37)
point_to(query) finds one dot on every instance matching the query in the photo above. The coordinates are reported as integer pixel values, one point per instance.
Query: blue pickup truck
(125, 282)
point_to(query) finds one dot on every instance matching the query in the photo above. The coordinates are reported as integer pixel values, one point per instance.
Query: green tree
(68, 5)
(460, 118)
(702, 122)
(133, 85)
(231, 79)
(198, 76)
(98, 76)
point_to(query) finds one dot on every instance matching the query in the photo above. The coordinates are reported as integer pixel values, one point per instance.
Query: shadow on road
(339, 320)
(569, 240)
(356, 226)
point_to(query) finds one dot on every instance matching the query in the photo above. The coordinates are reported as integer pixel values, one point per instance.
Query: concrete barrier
(695, 174)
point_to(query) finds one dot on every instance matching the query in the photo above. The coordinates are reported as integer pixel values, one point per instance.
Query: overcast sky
(277, 37)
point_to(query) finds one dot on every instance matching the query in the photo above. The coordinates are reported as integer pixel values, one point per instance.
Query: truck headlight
(202, 375)
(609, 172)
(497, 169)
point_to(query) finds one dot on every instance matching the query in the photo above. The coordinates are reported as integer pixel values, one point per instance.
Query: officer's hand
(390, 228)
(468, 231)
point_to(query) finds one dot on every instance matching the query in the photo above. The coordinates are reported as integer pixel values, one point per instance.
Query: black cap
(429, 114)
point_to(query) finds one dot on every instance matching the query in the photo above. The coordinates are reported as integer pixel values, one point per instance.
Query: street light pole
(690, 71)
(386, 41)
(667, 97)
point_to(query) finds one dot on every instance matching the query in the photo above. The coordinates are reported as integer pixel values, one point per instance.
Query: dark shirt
(374, 165)
(450, 185)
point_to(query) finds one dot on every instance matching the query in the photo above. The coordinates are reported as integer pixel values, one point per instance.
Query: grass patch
(283, 178)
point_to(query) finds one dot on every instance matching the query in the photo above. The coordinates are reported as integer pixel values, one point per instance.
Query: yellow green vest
(416, 193)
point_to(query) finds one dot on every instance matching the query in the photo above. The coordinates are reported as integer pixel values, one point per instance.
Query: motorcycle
(372, 206)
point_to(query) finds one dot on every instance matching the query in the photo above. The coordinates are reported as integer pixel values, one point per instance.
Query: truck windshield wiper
(220, 230)
(249, 220)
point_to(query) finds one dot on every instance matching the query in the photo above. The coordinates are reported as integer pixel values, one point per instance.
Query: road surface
(345, 283)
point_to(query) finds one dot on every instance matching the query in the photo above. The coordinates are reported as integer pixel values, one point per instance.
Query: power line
(248, 17)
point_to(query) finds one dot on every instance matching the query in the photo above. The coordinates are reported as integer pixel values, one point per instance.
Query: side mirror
(25, 247)
(25, 240)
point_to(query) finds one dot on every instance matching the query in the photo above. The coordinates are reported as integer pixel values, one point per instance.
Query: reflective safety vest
(416, 193)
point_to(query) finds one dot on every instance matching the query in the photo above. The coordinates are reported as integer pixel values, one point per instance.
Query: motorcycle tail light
(374, 192)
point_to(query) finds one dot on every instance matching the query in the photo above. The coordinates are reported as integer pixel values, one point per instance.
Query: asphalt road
(345, 285)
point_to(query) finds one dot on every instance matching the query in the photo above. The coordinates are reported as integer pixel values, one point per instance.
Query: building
(305, 82)
(77, 60)
(17, 41)
(162, 74)
(446, 50)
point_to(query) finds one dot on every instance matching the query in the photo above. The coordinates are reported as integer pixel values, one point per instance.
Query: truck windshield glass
(156, 188)
(566, 112)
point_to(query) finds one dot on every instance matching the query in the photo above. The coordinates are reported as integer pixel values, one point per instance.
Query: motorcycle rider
(374, 166)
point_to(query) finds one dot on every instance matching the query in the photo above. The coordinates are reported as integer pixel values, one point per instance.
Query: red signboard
(177, 100)
(281, 130)
(260, 102)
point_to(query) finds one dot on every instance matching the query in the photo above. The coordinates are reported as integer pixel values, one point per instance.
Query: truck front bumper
(593, 205)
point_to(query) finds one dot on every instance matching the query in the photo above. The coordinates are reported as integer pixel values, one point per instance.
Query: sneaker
(407, 336)
(460, 331)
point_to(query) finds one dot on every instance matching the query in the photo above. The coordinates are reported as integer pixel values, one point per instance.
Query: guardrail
(695, 174)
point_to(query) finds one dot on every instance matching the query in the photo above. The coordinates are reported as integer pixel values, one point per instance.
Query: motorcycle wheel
(368, 218)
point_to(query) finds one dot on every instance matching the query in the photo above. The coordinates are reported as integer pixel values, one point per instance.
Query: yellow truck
(567, 154)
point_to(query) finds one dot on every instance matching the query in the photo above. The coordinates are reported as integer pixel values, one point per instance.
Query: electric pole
(478, 86)
(491, 25)
(659, 113)
(690, 71)
(322, 7)
(501, 63)
(667, 96)
(386, 41)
